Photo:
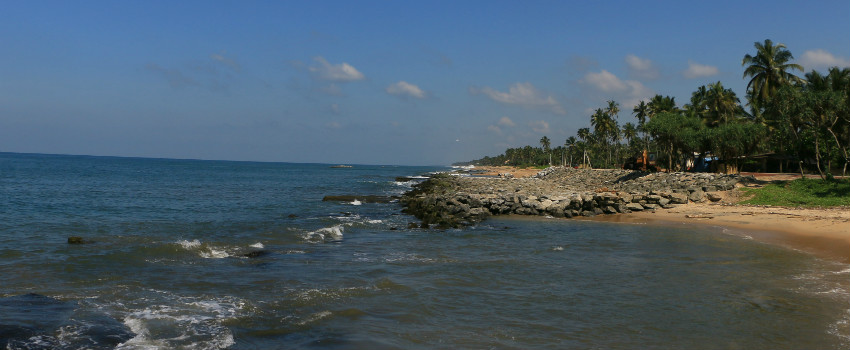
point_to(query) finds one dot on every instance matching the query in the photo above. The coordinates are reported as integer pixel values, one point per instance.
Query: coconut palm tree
(583, 134)
(720, 105)
(613, 109)
(546, 143)
(660, 104)
(629, 132)
(641, 112)
(571, 142)
(604, 127)
(769, 70)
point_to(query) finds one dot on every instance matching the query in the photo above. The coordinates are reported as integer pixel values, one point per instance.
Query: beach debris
(698, 216)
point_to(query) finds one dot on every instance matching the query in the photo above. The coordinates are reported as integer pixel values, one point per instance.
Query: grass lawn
(802, 193)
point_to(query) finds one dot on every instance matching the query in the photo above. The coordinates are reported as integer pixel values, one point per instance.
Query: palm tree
(629, 132)
(545, 143)
(604, 127)
(571, 142)
(641, 112)
(613, 108)
(721, 104)
(769, 71)
(659, 104)
(583, 134)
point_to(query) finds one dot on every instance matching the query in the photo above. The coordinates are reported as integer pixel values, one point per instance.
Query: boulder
(714, 196)
(696, 196)
(678, 198)
(634, 206)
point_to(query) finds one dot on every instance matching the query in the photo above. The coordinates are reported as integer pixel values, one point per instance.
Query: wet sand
(824, 232)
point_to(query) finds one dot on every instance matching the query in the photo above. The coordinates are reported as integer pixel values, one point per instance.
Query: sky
(369, 82)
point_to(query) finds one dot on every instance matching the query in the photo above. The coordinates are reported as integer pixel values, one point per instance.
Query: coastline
(610, 195)
(823, 232)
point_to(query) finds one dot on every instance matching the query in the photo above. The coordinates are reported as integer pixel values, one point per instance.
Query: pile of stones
(452, 201)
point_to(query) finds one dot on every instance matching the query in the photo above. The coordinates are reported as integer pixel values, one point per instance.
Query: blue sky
(395, 82)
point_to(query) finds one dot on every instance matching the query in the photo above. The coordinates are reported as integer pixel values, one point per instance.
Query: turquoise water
(165, 267)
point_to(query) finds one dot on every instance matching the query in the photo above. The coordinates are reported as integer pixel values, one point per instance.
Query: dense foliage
(791, 124)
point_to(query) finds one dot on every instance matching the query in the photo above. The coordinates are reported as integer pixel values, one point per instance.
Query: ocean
(190, 254)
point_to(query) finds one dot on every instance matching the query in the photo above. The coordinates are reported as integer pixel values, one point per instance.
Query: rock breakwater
(454, 201)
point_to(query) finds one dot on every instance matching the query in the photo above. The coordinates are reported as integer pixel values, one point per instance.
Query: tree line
(801, 123)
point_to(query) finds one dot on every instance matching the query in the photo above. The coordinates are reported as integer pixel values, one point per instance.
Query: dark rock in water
(256, 254)
(24, 317)
(362, 199)
(412, 225)
(393, 228)
(75, 240)
(292, 216)
(403, 179)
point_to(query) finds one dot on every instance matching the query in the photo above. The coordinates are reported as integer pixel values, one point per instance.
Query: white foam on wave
(356, 202)
(333, 233)
(193, 244)
(257, 245)
(204, 250)
(845, 271)
(193, 325)
(214, 253)
(316, 317)
(558, 248)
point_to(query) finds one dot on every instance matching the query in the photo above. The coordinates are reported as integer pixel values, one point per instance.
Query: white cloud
(505, 121)
(522, 94)
(495, 129)
(822, 59)
(539, 126)
(227, 61)
(696, 70)
(405, 89)
(605, 81)
(335, 72)
(628, 92)
(641, 68)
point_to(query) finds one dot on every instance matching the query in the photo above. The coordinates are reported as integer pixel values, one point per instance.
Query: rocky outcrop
(450, 201)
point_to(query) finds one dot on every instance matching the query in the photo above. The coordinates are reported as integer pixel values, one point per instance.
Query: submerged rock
(256, 253)
(76, 240)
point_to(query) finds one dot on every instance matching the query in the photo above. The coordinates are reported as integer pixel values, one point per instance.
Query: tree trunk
(817, 158)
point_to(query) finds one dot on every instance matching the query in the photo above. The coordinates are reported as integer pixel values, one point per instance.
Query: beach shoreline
(824, 232)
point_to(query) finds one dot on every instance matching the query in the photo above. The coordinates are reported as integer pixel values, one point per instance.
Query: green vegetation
(798, 124)
(802, 193)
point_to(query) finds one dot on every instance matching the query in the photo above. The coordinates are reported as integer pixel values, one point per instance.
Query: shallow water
(166, 269)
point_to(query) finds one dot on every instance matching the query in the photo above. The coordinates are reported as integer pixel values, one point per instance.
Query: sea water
(193, 254)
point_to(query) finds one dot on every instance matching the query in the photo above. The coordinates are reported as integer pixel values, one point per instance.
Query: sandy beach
(822, 231)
